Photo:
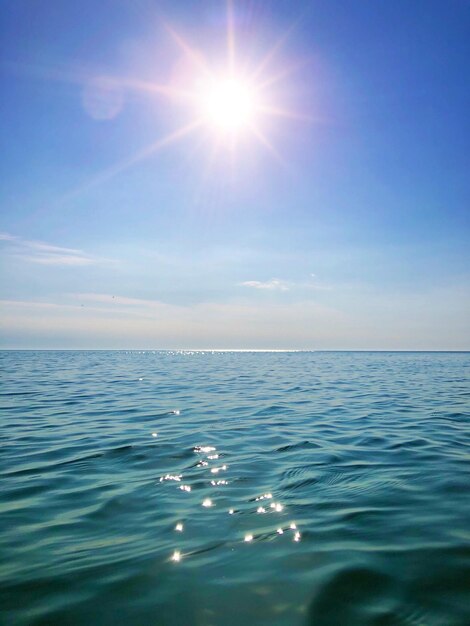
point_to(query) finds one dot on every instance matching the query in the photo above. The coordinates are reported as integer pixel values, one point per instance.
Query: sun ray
(82, 76)
(143, 154)
(277, 112)
(271, 80)
(190, 53)
(266, 60)
(230, 37)
(206, 172)
(211, 158)
(230, 105)
(264, 141)
(152, 88)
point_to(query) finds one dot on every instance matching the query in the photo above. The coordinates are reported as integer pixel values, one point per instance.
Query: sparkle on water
(176, 556)
(357, 463)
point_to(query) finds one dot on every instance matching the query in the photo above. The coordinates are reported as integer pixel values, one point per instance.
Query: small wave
(300, 484)
(273, 409)
(349, 595)
(418, 442)
(302, 445)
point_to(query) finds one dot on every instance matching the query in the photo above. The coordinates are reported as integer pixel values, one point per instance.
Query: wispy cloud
(113, 300)
(274, 284)
(437, 319)
(101, 320)
(40, 252)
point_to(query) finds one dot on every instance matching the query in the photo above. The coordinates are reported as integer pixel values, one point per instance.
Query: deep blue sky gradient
(371, 195)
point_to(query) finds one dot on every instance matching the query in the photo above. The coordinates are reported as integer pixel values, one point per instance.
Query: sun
(229, 105)
(229, 98)
(228, 101)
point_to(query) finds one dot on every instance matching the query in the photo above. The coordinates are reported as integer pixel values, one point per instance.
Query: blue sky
(345, 226)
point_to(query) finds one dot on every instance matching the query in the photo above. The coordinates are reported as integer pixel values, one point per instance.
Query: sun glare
(229, 105)
(237, 103)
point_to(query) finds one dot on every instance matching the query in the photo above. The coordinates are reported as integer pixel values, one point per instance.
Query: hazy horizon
(221, 350)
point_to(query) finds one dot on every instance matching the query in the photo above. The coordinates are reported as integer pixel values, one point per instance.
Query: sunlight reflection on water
(340, 493)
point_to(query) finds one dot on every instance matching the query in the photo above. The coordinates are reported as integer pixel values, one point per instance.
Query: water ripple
(217, 488)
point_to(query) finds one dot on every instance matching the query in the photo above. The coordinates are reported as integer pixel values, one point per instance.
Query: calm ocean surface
(365, 455)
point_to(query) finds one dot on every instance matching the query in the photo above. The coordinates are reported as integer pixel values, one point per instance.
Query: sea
(219, 488)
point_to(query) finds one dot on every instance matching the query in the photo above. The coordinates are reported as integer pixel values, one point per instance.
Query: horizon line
(212, 350)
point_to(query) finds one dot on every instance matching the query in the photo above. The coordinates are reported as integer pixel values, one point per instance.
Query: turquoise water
(105, 454)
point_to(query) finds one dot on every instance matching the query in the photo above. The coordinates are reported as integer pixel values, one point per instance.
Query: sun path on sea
(213, 471)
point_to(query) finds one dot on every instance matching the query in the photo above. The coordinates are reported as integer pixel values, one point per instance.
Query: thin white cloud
(47, 247)
(57, 259)
(437, 319)
(42, 253)
(105, 298)
(134, 322)
(274, 284)
(7, 237)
